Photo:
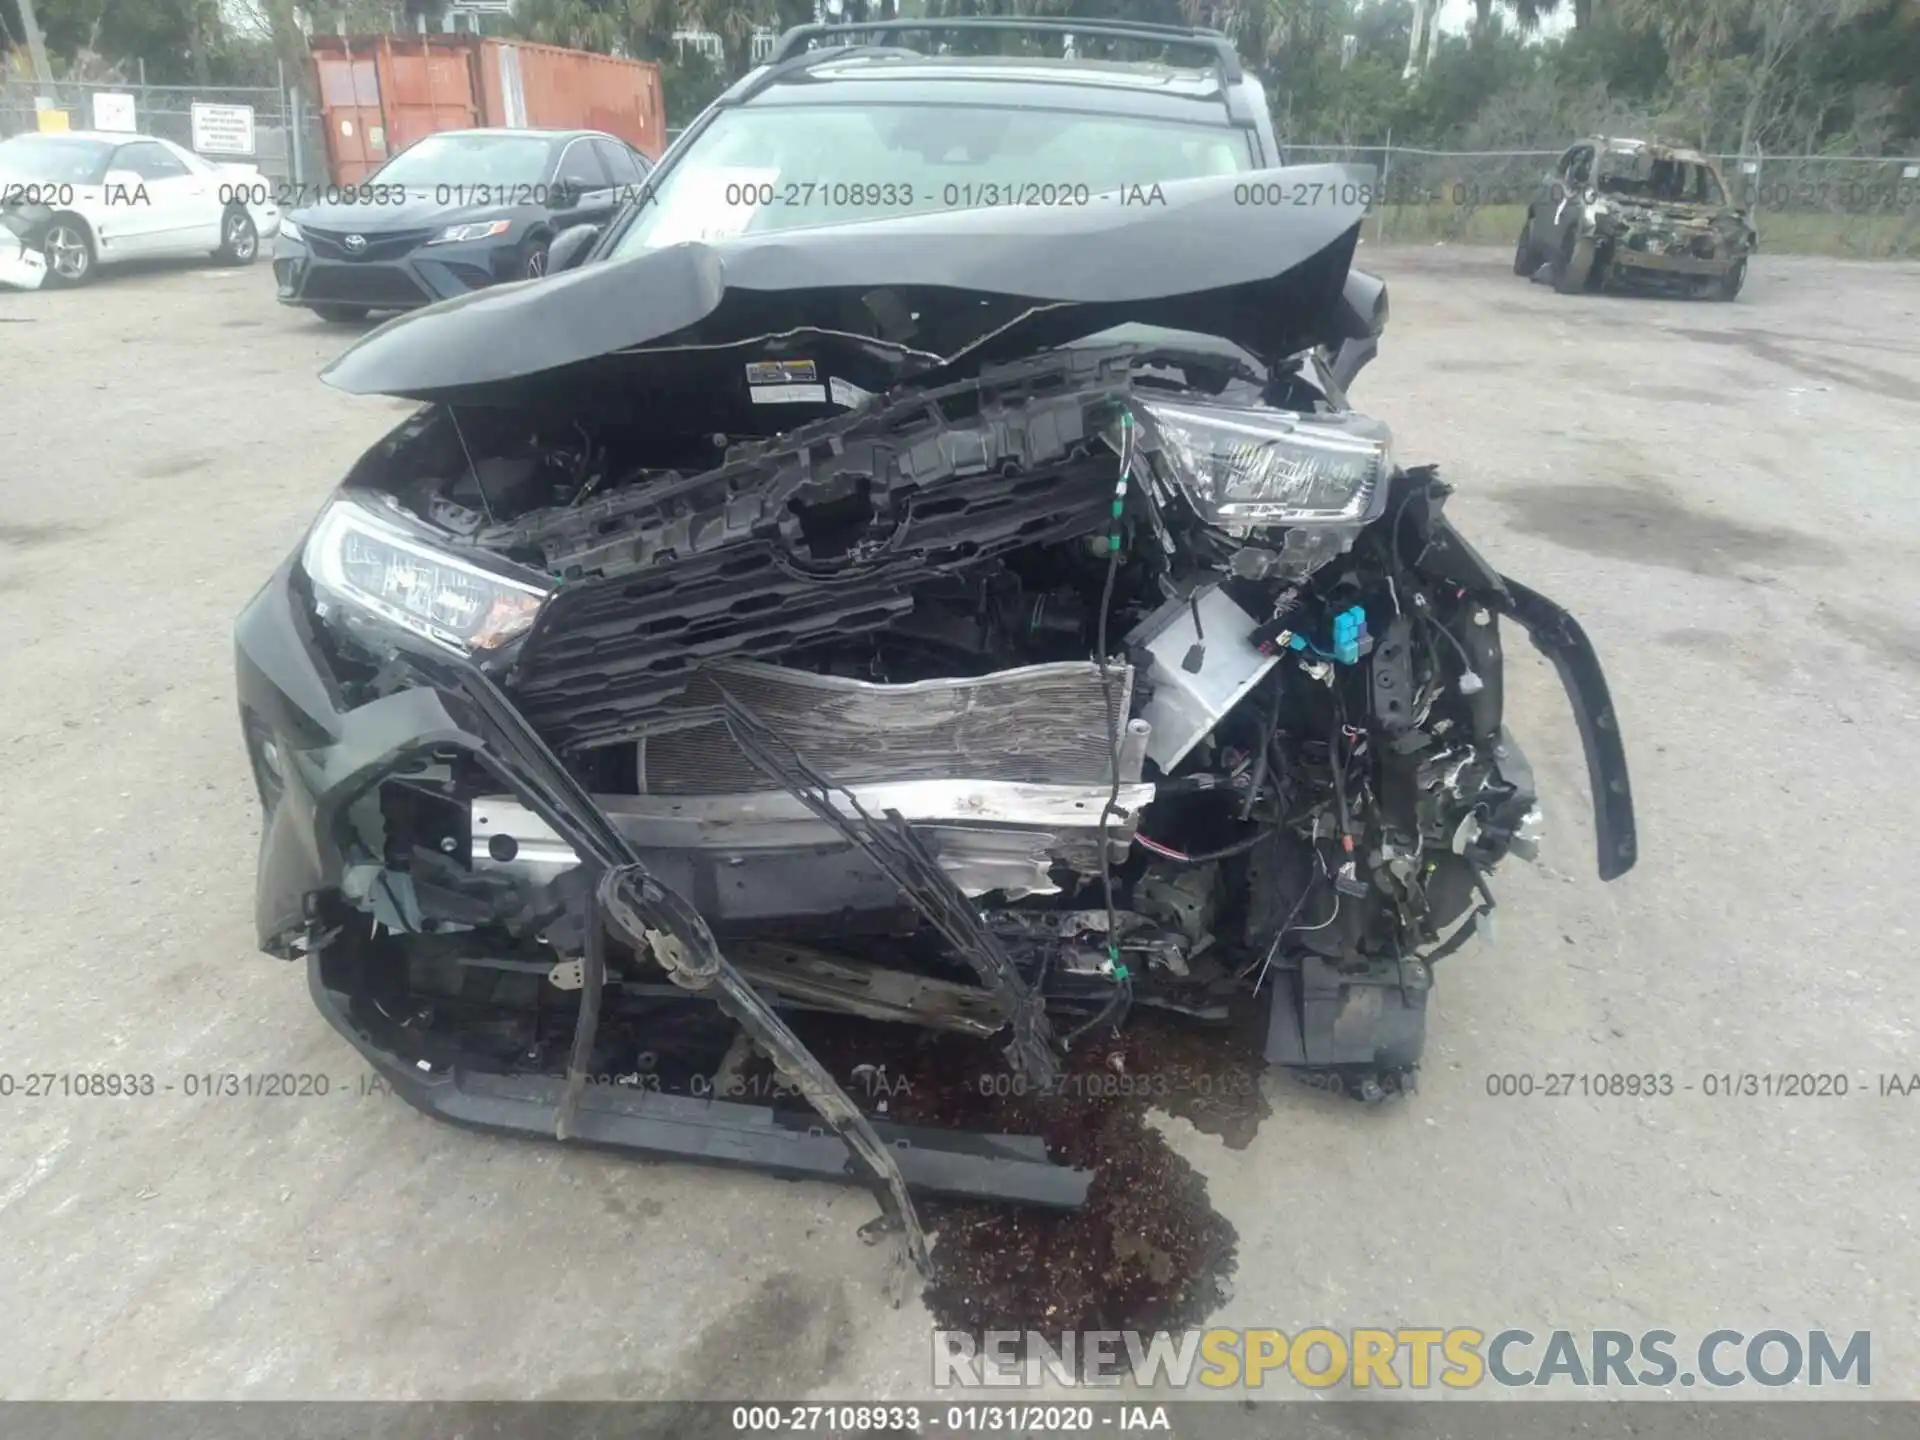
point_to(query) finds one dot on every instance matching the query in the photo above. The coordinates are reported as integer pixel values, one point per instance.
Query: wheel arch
(92, 231)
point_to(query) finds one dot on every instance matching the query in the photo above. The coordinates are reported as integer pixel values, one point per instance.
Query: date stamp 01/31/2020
(876, 1082)
(1709, 1084)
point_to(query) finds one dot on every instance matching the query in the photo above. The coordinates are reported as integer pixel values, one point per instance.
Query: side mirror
(563, 194)
(570, 247)
(123, 180)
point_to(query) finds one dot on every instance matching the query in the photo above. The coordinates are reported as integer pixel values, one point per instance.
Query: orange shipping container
(380, 93)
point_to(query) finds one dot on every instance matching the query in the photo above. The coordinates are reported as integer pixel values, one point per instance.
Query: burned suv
(990, 617)
(1636, 213)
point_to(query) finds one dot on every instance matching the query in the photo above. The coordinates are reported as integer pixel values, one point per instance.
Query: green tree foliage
(184, 40)
(643, 29)
(1752, 53)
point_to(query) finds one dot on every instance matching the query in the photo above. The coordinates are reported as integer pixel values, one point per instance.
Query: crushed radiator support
(901, 856)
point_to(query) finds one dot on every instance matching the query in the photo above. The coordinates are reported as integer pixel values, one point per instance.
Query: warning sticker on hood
(781, 372)
(785, 382)
(789, 394)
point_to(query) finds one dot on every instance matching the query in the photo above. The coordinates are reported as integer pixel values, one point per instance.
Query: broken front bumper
(1660, 251)
(676, 1127)
(1669, 264)
(21, 266)
(318, 761)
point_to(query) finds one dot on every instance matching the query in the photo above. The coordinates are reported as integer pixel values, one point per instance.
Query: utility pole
(36, 48)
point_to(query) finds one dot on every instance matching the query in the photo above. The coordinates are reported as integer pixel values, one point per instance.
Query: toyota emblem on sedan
(356, 243)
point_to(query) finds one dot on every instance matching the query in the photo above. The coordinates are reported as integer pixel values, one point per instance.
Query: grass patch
(1860, 237)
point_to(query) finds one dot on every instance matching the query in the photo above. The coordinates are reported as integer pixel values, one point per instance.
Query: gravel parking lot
(1724, 494)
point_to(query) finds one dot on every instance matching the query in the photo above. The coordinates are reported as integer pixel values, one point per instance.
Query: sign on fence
(222, 129)
(251, 124)
(113, 110)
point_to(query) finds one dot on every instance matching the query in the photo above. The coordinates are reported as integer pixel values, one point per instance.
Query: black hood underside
(923, 295)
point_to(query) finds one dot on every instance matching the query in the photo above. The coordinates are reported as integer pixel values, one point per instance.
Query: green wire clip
(1120, 485)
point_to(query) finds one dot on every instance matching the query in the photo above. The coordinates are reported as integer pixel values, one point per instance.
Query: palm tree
(644, 28)
(1425, 35)
(1261, 29)
(605, 26)
(1527, 14)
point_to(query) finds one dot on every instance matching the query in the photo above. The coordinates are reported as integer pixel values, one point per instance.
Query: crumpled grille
(720, 568)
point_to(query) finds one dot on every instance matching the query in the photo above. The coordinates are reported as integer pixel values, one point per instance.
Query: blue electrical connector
(1349, 637)
(1349, 629)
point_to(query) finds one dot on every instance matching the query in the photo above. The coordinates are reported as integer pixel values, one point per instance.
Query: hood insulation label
(785, 382)
(789, 394)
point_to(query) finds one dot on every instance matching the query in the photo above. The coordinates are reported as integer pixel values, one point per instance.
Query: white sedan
(73, 201)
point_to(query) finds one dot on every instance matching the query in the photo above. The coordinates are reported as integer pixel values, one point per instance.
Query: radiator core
(1039, 724)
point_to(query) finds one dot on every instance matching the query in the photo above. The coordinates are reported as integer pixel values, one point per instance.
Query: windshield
(468, 160)
(789, 166)
(1646, 178)
(53, 160)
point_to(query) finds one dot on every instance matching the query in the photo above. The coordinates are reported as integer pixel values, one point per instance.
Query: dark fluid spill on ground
(1148, 1250)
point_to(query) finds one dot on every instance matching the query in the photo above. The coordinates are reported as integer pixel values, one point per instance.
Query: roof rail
(1225, 58)
(781, 65)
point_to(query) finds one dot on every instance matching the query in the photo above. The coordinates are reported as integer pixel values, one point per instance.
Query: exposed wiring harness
(1270, 760)
(1470, 683)
(1207, 857)
(1397, 564)
(1271, 721)
(1273, 949)
(1122, 998)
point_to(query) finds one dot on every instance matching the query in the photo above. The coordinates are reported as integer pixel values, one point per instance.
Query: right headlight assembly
(368, 566)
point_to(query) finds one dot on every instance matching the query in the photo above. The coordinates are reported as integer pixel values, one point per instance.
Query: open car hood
(946, 291)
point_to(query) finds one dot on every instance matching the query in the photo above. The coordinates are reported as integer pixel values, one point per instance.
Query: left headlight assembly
(1321, 479)
(367, 567)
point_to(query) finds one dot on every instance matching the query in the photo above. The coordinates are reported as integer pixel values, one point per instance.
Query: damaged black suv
(971, 614)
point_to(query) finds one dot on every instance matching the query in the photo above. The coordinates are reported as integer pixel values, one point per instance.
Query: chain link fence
(251, 124)
(1846, 205)
(1865, 206)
